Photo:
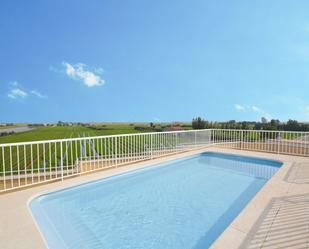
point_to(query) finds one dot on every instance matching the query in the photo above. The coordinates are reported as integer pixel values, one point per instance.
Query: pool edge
(19, 201)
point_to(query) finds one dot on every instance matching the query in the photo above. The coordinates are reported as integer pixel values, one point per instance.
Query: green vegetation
(273, 125)
(71, 130)
(198, 123)
(48, 156)
(60, 132)
(43, 133)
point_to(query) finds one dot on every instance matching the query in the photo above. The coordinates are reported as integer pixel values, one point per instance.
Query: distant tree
(292, 125)
(60, 123)
(198, 123)
(244, 125)
(264, 120)
(274, 124)
(304, 126)
(258, 126)
(231, 124)
(208, 125)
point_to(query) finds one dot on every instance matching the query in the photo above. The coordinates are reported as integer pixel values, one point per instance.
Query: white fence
(24, 164)
(280, 142)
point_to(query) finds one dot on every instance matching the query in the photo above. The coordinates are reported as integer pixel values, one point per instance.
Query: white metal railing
(279, 142)
(23, 164)
(29, 163)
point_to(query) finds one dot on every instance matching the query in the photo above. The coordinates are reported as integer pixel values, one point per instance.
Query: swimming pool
(185, 203)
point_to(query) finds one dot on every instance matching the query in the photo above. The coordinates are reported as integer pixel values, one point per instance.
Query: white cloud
(14, 83)
(261, 112)
(38, 94)
(256, 109)
(248, 108)
(80, 72)
(16, 93)
(239, 107)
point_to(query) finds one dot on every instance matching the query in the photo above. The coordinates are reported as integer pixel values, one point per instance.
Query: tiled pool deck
(277, 217)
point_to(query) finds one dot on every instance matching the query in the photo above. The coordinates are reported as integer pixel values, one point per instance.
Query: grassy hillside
(59, 132)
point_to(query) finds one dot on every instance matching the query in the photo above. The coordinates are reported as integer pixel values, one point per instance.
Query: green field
(60, 132)
(47, 156)
(99, 129)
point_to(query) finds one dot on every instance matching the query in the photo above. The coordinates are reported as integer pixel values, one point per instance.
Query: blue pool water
(182, 204)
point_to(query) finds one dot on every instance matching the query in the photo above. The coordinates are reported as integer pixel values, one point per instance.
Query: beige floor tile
(232, 239)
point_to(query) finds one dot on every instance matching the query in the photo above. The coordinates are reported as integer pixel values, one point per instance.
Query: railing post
(151, 150)
(279, 141)
(4, 169)
(116, 150)
(61, 160)
(241, 139)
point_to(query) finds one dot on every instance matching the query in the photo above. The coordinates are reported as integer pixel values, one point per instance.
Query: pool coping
(241, 233)
(18, 228)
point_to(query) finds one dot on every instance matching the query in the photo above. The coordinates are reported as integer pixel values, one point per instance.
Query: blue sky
(139, 60)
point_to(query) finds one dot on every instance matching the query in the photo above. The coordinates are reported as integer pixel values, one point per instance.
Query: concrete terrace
(277, 217)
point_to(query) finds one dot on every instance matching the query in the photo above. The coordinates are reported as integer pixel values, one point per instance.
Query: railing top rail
(303, 132)
(95, 137)
(138, 134)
